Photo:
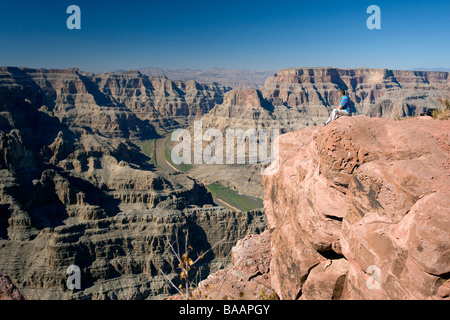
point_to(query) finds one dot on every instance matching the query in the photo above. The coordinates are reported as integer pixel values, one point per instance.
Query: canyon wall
(165, 103)
(75, 189)
(119, 102)
(374, 92)
(226, 77)
(295, 98)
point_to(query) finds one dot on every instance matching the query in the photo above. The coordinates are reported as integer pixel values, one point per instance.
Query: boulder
(248, 278)
(8, 290)
(371, 197)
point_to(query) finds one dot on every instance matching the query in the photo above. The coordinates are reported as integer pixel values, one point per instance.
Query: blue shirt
(345, 102)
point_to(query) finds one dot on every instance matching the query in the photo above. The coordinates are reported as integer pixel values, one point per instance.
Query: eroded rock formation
(375, 92)
(165, 103)
(249, 276)
(8, 290)
(359, 209)
(120, 256)
(75, 189)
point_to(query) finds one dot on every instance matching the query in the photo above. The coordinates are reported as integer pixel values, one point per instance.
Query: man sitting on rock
(345, 108)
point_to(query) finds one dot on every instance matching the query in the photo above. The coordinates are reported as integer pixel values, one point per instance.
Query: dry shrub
(442, 114)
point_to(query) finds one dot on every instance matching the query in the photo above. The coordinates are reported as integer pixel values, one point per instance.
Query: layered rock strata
(75, 189)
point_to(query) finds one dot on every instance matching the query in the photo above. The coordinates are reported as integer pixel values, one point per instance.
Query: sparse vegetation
(188, 289)
(148, 148)
(232, 197)
(264, 296)
(442, 114)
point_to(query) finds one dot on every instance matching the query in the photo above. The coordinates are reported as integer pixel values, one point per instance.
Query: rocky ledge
(8, 290)
(249, 276)
(359, 209)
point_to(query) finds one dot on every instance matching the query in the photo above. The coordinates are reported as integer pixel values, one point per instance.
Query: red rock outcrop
(249, 276)
(8, 290)
(359, 209)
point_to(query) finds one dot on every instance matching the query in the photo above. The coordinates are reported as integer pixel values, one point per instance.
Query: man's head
(342, 92)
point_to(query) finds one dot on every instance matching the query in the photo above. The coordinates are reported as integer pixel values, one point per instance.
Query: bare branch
(174, 252)
(186, 242)
(202, 255)
(178, 243)
(185, 264)
(170, 281)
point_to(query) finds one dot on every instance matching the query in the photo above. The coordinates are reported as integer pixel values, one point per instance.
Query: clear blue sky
(259, 35)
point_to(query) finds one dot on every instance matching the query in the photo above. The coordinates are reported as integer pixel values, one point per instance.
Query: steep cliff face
(76, 189)
(120, 256)
(66, 153)
(76, 101)
(8, 290)
(163, 102)
(241, 109)
(249, 275)
(359, 209)
(375, 92)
